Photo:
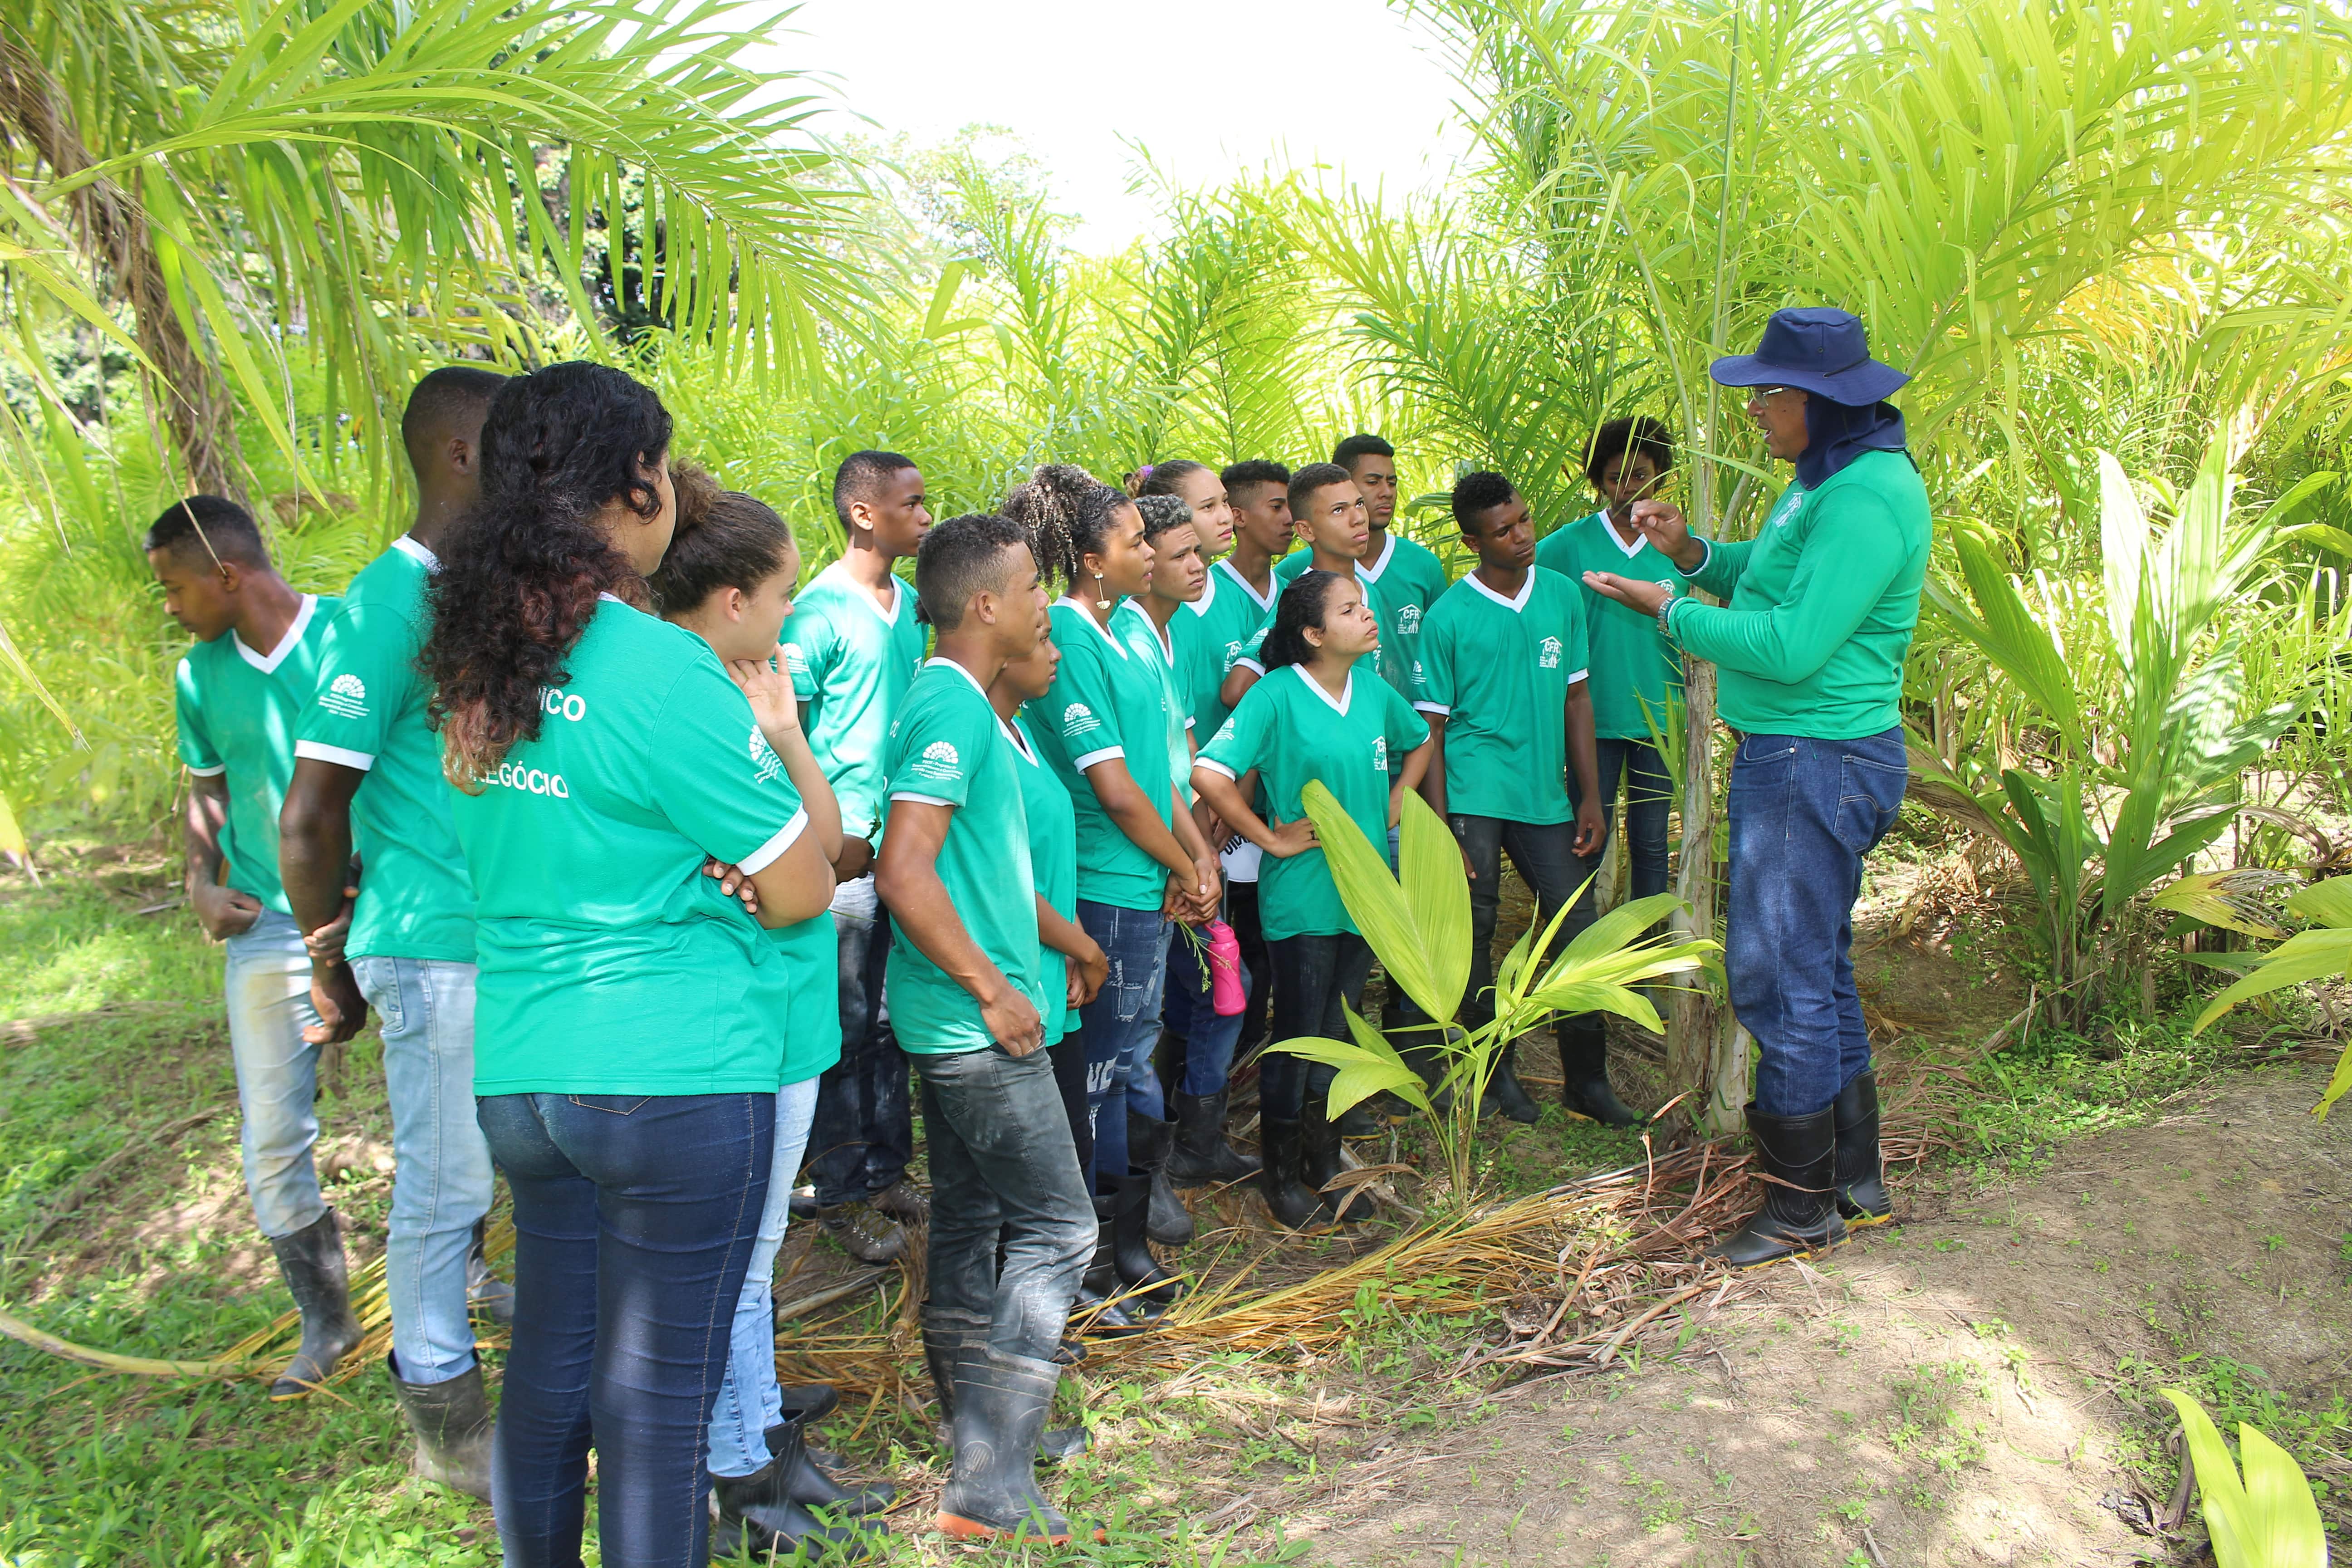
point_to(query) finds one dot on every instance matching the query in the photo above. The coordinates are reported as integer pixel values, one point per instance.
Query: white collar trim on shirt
(1262, 601)
(420, 554)
(1166, 637)
(1372, 569)
(1338, 704)
(1527, 591)
(1087, 616)
(968, 675)
(1012, 734)
(277, 656)
(1200, 606)
(1609, 531)
(865, 596)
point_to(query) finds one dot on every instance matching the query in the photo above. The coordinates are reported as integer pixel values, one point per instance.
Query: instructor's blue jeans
(635, 1219)
(1121, 1025)
(1803, 813)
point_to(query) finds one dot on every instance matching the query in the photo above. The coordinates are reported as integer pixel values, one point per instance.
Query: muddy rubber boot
(1001, 1406)
(1202, 1157)
(1800, 1215)
(451, 1423)
(1584, 1087)
(1150, 1290)
(485, 1292)
(757, 1517)
(1092, 1308)
(311, 1259)
(1504, 1093)
(947, 1336)
(806, 1483)
(1150, 1141)
(1319, 1161)
(1862, 1197)
(1294, 1204)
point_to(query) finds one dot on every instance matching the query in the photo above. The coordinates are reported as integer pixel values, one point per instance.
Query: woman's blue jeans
(1186, 1007)
(1121, 1025)
(1803, 813)
(635, 1218)
(750, 1401)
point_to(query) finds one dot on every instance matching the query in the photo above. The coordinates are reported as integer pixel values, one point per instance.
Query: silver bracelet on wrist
(1665, 617)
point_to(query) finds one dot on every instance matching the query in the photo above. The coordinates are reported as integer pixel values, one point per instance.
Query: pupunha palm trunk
(110, 227)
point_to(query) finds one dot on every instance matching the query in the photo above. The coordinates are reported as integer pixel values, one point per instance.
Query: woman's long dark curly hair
(1305, 603)
(1067, 512)
(519, 577)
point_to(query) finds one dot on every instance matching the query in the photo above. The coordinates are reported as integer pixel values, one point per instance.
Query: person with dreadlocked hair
(626, 1064)
(728, 578)
(1310, 720)
(1103, 727)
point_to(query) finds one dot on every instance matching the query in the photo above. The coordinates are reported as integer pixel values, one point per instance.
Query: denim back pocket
(1755, 750)
(379, 980)
(614, 1104)
(1870, 794)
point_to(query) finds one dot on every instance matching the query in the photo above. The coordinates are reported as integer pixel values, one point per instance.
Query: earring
(1100, 603)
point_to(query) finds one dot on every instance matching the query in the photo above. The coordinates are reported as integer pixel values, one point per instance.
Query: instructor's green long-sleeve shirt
(1821, 604)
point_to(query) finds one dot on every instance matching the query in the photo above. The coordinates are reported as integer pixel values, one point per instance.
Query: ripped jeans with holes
(1121, 1026)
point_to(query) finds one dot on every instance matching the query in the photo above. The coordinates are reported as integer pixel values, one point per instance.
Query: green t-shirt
(238, 713)
(1106, 702)
(1054, 862)
(1822, 604)
(1210, 637)
(1132, 625)
(810, 951)
(1382, 664)
(1634, 667)
(609, 963)
(948, 748)
(1291, 730)
(1499, 671)
(1405, 578)
(851, 663)
(416, 899)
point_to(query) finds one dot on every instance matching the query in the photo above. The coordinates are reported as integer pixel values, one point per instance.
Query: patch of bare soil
(1961, 1388)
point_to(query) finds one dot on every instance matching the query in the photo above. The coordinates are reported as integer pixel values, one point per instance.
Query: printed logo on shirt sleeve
(1079, 720)
(939, 763)
(345, 697)
(795, 661)
(1548, 658)
(764, 761)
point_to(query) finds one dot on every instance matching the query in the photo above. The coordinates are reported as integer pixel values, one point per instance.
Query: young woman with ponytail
(625, 1062)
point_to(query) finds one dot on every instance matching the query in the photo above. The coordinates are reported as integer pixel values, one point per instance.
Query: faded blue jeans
(1121, 1026)
(269, 995)
(634, 1220)
(441, 1181)
(864, 1133)
(1803, 813)
(749, 1401)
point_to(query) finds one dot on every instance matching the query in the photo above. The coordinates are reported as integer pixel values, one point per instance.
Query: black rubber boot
(1092, 1308)
(1319, 1161)
(806, 1483)
(485, 1292)
(1294, 1205)
(451, 1422)
(946, 1337)
(1001, 1406)
(1150, 1141)
(808, 1402)
(1425, 1059)
(1584, 1086)
(1797, 1157)
(1862, 1197)
(1504, 1093)
(311, 1259)
(1150, 1290)
(1202, 1157)
(757, 1517)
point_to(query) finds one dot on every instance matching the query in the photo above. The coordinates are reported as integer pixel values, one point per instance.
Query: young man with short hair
(1329, 512)
(240, 694)
(967, 989)
(1637, 674)
(1505, 664)
(853, 645)
(367, 777)
(1407, 574)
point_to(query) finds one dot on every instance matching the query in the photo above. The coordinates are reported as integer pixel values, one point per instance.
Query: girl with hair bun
(626, 1064)
(1308, 720)
(1103, 727)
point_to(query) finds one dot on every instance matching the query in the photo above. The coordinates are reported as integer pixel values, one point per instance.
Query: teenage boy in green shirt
(367, 777)
(966, 984)
(236, 707)
(852, 646)
(1406, 574)
(1329, 511)
(1507, 695)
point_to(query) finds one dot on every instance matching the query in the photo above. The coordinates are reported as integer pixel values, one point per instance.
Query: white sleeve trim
(1253, 665)
(1440, 708)
(765, 855)
(1707, 545)
(205, 772)
(1189, 724)
(1104, 755)
(320, 752)
(924, 799)
(1215, 766)
(1579, 674)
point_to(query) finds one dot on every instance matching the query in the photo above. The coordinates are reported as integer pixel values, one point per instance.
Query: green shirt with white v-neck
(1635, 671)
(1498, 669)
(1106, 702)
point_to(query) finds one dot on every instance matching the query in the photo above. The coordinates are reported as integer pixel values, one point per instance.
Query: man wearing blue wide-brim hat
(1810, 644)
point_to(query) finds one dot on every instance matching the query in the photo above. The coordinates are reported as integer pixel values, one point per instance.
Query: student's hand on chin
(1013, 1023)
(770, 690)
(222, 911)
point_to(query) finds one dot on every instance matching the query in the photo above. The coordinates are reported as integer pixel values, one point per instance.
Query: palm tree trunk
(1698, 1034)
(112, 230)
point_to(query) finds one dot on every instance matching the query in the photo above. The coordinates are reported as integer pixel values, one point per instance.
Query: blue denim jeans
(1120, 1026)
(1314, 978)
(749, 1401)
(864, 1135)
(1649, 796)
(1803, 813)
(1187, 1009)
(1002, 1166)
(269, 995)
(441, 1182)
(634, 1220)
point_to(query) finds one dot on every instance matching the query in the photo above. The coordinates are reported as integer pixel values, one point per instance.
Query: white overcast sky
(1208, 87)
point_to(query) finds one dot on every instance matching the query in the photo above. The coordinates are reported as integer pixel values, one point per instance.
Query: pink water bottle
(1226, 994)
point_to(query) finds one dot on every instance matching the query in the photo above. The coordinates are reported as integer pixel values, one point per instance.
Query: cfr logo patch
(1549, 657)
(1409, 621)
